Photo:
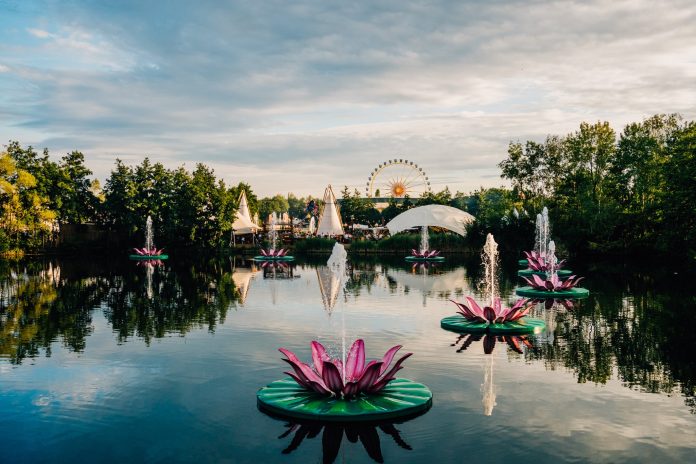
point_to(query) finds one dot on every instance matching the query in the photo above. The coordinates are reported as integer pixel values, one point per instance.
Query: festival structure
(442, 216)
(330, 223)
(243, 224)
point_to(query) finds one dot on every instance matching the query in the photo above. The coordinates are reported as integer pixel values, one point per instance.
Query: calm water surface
(111, 361)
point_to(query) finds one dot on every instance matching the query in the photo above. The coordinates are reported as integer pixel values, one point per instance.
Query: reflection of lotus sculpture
(354, 391)
(332, 437)
(473, 318)
(550, 302)
(515, 342)
(150, 263)
(553, 287)
(331, 377)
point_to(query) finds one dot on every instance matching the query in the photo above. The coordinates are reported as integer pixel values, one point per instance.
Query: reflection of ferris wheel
(397, 178)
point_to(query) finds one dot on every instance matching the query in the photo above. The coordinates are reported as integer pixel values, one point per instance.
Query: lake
(109, 360)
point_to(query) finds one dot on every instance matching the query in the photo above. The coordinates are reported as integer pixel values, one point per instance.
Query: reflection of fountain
(150, 266)
(332, 437)
(488, 388)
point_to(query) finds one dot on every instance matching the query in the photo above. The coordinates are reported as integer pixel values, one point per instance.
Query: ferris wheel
(397, 178)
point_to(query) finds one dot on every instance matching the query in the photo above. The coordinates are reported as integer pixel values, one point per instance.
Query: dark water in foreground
(101, 363)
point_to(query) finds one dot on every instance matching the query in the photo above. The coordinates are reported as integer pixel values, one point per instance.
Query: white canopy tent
(242, 221)
(330, 220)
(443, 216)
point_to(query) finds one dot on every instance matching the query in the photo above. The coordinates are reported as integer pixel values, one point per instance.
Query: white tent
(330, 220)
(443, 216)
(242, 221)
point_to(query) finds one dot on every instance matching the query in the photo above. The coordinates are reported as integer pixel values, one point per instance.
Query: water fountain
(492, 318)
(425, 253)
(273, 253)
(148, 252)
(552, 287)
(345, 389)
(537, 260)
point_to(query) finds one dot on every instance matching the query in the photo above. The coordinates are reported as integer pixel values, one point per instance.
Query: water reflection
(634, 327)
(332, 434)
(515, 342)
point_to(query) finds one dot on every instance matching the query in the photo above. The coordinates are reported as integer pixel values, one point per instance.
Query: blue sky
(293, 95)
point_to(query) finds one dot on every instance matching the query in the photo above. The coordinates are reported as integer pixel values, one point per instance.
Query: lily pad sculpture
(495, 319)
(553, 287)
(274, 255)
(356, 391)
(148, 253)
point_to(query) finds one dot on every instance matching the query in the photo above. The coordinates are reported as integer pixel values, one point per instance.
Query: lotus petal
(474, 307)
(355, 361)
(332, 377)
(319, 355)
(388, 358)
(390, 373)
(369, 376)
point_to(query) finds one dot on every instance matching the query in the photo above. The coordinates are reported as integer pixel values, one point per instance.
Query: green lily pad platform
(148, 257)
(273, 258)
(525, 325)
(529, 272)
(572, 294)
(400, 398)
(523, 262)
(435, 259)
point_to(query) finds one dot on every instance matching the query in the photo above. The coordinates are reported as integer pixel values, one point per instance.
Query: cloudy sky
(293, 95)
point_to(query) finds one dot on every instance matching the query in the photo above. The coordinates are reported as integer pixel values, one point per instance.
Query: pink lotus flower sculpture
(274, 253)
(148, 251)
(536, 262)
(425, 254)
(495, 314)
(552, 284)
(329, 376)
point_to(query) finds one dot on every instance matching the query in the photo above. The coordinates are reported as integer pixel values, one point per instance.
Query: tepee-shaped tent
(242, 221)
(330, 220)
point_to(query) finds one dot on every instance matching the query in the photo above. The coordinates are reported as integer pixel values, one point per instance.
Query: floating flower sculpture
(553, 284)
(537, 262)
(148, 251)
(425, 254)
(495, 314)
(329, 376)
(274, 253)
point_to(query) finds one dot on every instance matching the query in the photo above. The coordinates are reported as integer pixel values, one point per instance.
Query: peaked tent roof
(242, 220)
(443, 216)
(330, 220)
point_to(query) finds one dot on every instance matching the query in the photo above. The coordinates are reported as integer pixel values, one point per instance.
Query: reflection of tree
(645, 329)
(182, 300)
(37, 307)
(42, 302)
(333, 434)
